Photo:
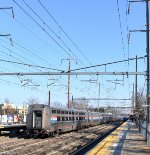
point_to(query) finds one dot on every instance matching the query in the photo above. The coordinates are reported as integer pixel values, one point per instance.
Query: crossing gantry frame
(72, 73)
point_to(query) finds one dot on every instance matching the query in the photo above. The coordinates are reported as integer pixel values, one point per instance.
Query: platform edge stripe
(104, 144)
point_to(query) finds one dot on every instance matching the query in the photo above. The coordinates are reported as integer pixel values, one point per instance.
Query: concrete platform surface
(126, 140)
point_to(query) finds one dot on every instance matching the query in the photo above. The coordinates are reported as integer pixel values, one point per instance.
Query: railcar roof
(65, 109)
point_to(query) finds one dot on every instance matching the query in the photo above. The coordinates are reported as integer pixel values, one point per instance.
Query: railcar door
(37, 119)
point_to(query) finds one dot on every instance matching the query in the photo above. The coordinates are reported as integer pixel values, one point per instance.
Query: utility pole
(147, 51)
(148, 90)
(72, 105)
(49, 97)
(98, 95)
(148, 68)
(69, 84)
(68, 73)
(133, 98)
(136, 106)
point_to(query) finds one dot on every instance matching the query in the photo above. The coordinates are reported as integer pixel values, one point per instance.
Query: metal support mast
(133, 98)
(147, 51)
(98, 95)
(136, 106)
(49, 96)
(69, 85)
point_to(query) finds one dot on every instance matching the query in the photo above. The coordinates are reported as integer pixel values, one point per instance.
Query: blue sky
(93, 26)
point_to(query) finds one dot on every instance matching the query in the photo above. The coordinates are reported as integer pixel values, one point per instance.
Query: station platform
(12, 129)
(125, 140)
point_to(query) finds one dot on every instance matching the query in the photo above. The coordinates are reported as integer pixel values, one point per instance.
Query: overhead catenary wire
(48, 27)
(30, 65)
(22, 63)
(13, 58)
(11, 51)
(27, 51)
(25, 64)
(63, 30)
(109, 63)
(10, 83)
(127, 29)
(33, 55)
(69, 49)
(121, 31)
(41, 27)
(10, 55)
(21, 46)
(46, 31)
(35, 34)
(65, 33)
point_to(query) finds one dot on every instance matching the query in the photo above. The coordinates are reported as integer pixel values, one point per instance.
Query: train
(44, 120)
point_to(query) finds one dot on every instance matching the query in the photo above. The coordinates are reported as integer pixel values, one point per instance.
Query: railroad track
(63, 144)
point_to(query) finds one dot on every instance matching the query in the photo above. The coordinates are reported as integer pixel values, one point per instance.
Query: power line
(52, 31)
(34, 54)
(48, 27)
(64, 32)
(122, 40)
(16, 54)
(35, 34)
(11, 57)
(40, 26)
(43, 29)
(30, 65)
(109, 63)
(27, 50)
(127, 28)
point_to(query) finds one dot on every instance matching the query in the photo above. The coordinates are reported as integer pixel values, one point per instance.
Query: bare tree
(57, 104)
(9, 109)
(81, 104)
(33, 101)
(139, 109)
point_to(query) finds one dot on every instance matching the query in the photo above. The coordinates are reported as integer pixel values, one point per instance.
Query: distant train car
(45, 120)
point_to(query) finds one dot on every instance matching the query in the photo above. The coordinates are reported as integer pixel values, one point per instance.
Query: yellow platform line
(103, 147)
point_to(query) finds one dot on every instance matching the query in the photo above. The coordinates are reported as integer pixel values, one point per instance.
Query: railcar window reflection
(54, 111)
(66, 112)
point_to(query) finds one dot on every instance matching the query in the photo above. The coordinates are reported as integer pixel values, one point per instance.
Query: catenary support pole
(49, 97)
(136, 106)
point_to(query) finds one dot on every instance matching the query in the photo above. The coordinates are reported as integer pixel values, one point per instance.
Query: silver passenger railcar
(44, 120)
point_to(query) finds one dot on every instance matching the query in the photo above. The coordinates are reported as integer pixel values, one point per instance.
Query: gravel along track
(63, 144)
